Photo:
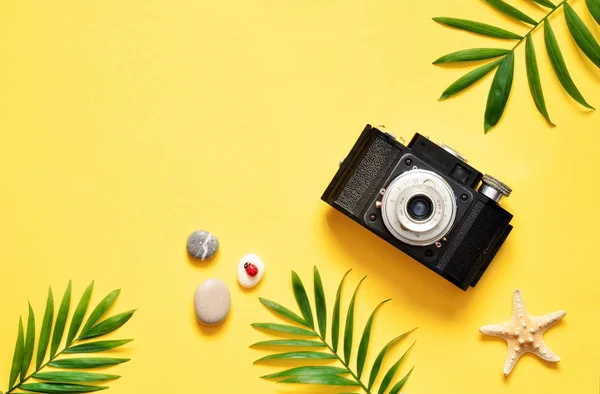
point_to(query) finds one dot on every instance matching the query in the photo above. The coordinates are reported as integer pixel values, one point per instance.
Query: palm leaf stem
(18, 386)
(562, 3)
(341, 360)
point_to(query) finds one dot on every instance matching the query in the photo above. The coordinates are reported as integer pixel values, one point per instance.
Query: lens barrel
(420, 207)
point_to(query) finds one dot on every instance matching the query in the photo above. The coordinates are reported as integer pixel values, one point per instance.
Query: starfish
(523, 333)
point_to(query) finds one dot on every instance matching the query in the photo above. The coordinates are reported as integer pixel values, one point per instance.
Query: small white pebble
(250, 264)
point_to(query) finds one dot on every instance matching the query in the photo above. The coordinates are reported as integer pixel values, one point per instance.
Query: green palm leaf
(298, 356)
(478, 28)
(67, 380)
(401, 383)
(364, 341)
(329, 375)
(60, 388)
(511, 11)
(61, 321)
(74, 377)
(80, 313)
(45, 330)
(387, 379)
(309, 370)
(468, 55)
(85, 363)
(533, 76)
(320, 303)
(29, 344)
(100, 310)
(499, 92)
(335, 325)
(107, 326)
(17, 362)
(349, 330)
(377, 363)
(284, 328)
(582, 35)
(283, 311)
(546, 3)
(290, 342)
(328, 380)
(560, 67)
(594, 7)
(469, 79)
(302, 300)
(96, 347)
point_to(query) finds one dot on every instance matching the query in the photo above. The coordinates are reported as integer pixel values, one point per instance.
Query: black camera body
(424, 199)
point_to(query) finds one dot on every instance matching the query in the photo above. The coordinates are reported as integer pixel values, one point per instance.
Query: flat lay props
(505, 64)
(317, 335)
(523, 333)
(53, 372)
(126, 125)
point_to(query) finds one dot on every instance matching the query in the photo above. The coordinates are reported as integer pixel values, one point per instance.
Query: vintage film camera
(423, 199)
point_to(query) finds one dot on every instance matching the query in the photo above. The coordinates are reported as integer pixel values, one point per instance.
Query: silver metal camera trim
(453, 152)
(401, 190)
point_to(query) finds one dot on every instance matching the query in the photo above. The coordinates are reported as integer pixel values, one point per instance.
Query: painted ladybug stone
(250, 271)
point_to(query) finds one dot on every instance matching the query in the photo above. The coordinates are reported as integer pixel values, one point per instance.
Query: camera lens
(419, 207)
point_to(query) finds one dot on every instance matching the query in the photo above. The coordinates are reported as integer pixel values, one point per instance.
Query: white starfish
(523, 333)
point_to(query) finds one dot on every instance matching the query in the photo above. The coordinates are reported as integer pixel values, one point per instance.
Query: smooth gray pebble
(202, 245)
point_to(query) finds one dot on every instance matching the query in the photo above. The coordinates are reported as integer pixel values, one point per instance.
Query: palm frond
(479, 28)
(343, 375)
(502, 82)
(594, 7)
(511, 11)
(499, 92)
(71, 378)
(582, 35)
(468, 55)
(46, 330)
(533, 77)
(546, 3)
(560, 67)
(61, 321)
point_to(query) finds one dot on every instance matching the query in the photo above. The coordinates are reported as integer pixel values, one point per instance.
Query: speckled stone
(202, 245)
(212, 302)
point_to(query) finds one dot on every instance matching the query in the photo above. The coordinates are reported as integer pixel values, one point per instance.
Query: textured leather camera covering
(460, 235)
(475, 242)
(370, 171)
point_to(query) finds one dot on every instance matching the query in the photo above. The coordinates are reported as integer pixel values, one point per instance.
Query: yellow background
(125, 125)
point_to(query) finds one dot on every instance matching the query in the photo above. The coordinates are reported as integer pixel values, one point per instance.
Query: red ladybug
(251, 269)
